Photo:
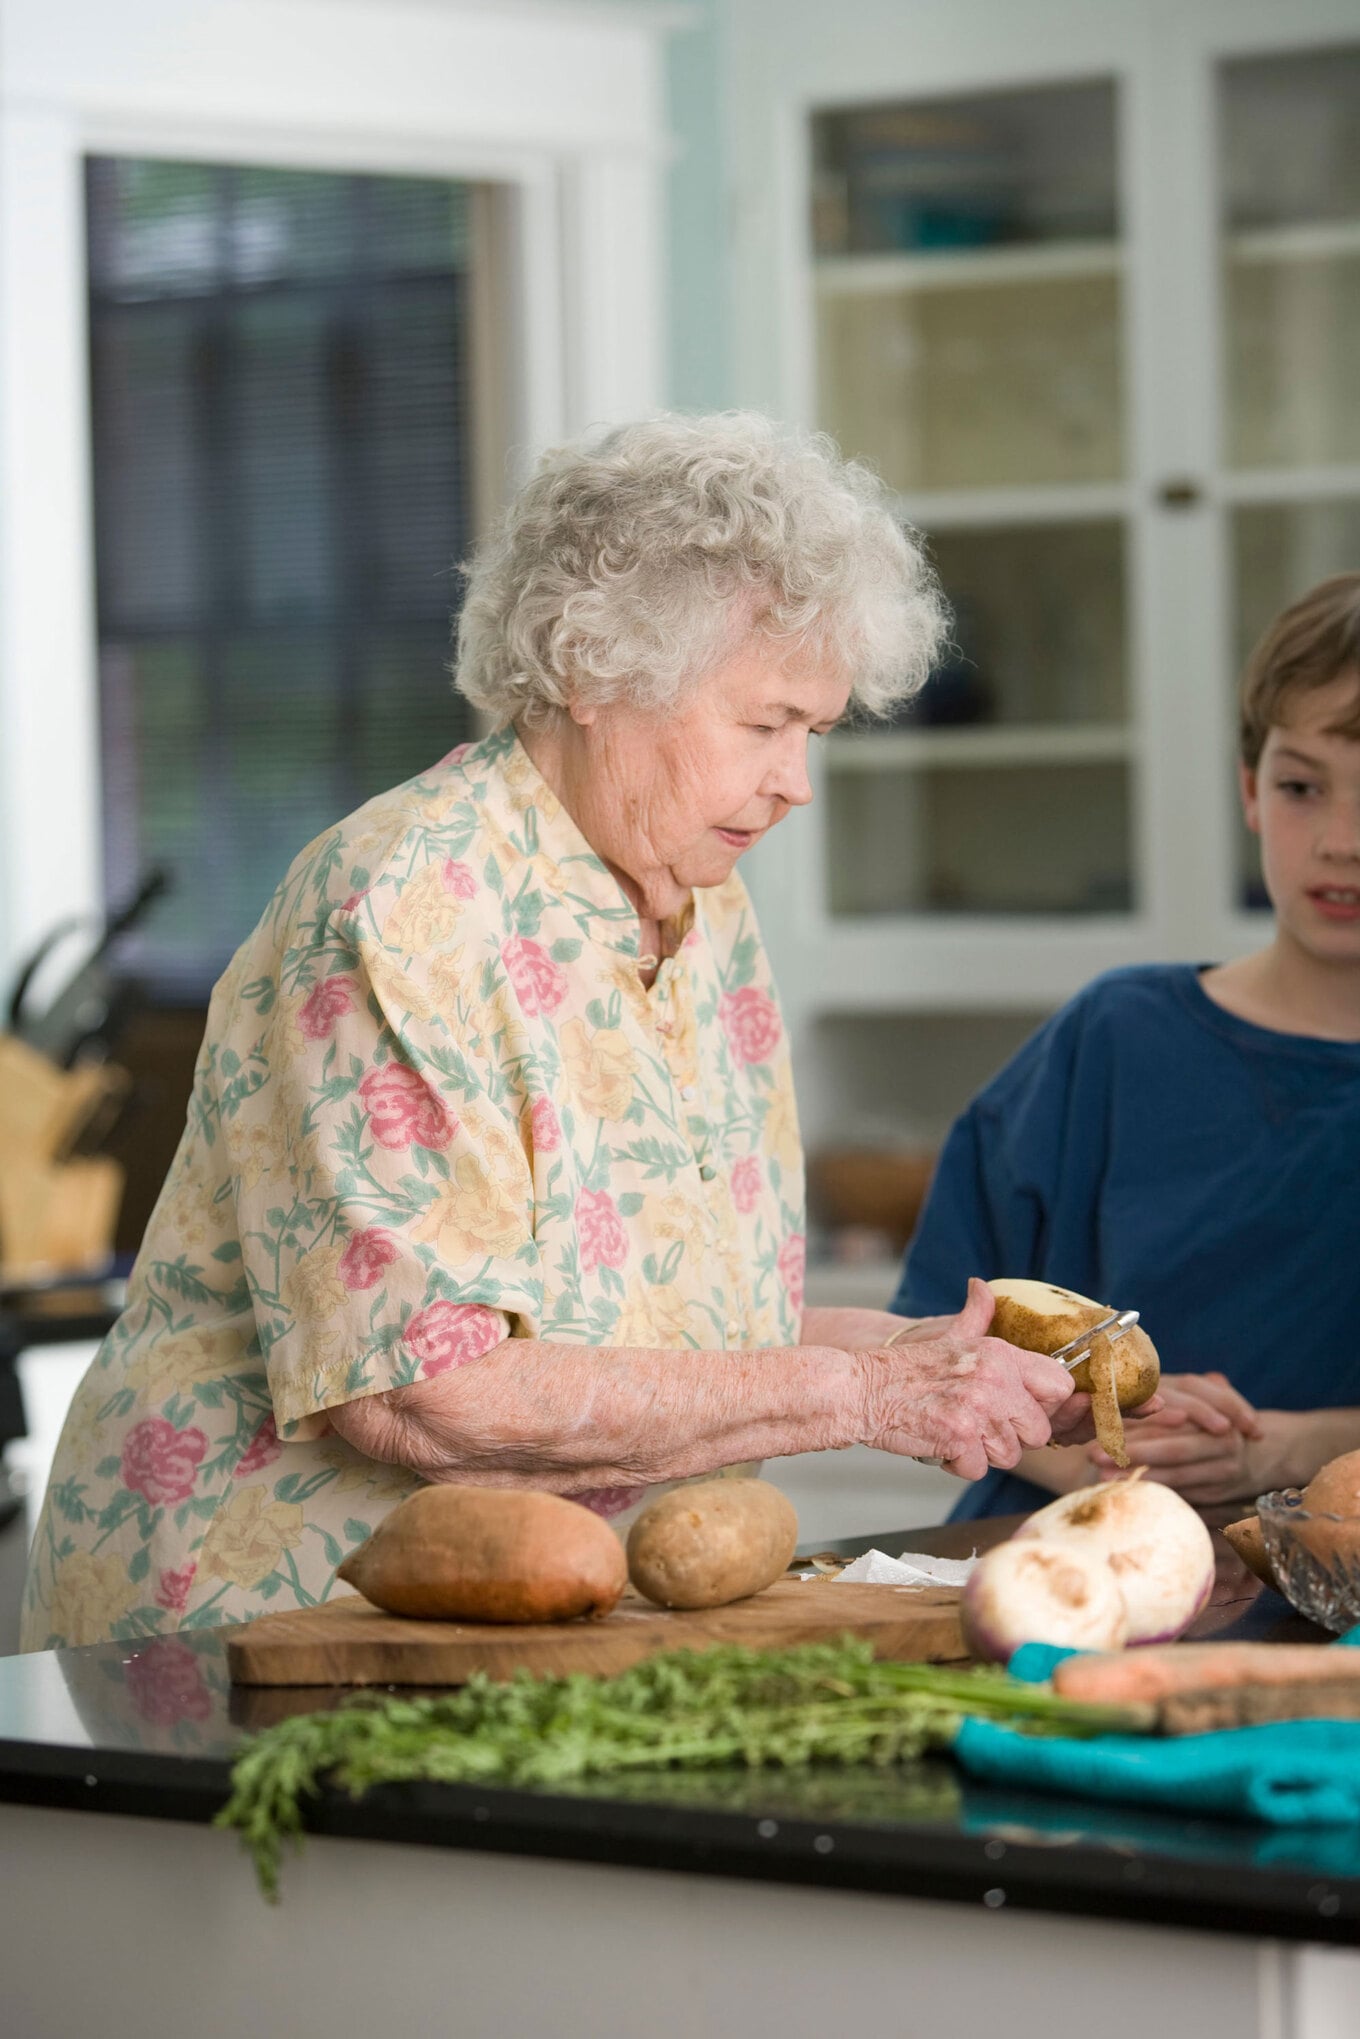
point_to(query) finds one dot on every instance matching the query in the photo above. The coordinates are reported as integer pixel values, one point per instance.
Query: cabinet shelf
(978, 746)
(1322, 240)
(958, 269)
(998, 508)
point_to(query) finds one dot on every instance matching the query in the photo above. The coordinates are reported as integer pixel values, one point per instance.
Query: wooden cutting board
(349, 1642)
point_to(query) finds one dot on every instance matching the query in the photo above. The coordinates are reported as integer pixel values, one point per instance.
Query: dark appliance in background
(105, 1008)
(87, 1016)
(84, 1023)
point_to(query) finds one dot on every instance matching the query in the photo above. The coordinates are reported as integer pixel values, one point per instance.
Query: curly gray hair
(633, 561)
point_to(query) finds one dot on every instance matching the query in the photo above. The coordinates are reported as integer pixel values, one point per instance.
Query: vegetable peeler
(1077, 1349)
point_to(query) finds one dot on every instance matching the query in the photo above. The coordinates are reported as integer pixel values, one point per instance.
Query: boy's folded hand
(1207, 1402)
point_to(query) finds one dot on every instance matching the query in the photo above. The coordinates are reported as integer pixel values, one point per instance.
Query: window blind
(281, 448)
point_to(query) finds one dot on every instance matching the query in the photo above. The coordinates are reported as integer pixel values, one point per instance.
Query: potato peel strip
(1105, 1403)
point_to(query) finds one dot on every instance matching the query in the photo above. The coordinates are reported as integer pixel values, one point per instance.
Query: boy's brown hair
(1313, 642)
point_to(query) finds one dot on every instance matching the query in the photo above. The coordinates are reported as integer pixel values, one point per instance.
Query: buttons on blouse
(707, 1172)
(689, 1092)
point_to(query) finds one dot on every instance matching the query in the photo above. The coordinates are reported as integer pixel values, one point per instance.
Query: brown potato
(719, 1540)
(1040, 1316)
(1246, 1539)
(489, 1554)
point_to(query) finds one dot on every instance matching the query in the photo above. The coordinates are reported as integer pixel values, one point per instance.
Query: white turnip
(1042, 1591)
(1155, 1544)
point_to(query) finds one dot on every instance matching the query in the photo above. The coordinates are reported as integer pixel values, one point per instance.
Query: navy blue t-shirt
(1149, 1149)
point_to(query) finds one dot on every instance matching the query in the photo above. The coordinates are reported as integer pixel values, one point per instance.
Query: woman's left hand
(1072, 1422)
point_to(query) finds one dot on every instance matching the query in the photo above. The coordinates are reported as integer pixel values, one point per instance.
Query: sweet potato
(1335, 1488)
(719, 1540)
(1246, 1539)
(489, 1554)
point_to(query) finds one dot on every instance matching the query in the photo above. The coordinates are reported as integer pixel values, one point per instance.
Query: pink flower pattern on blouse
(750, 1020)
(324, 1004)
(367, 1255)
(450, 1334)
(609, 1501)
(403, 1111)
(546, 1129)
(263, 1449)
(404, 1148)
(160, 1462)
(791, 1264)
(457, 879)
(540, 984)
(604, 1242)
(746, 1184)
(172, 1589)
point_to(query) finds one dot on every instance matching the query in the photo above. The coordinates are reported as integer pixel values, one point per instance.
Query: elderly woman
(492, 1168)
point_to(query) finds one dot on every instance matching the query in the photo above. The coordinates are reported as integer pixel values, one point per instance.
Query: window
(282, 480)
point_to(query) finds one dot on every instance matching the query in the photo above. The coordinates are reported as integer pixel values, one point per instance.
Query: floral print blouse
(435, 1106)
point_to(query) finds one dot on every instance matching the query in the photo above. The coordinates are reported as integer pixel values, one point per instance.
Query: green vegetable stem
(823, 1703)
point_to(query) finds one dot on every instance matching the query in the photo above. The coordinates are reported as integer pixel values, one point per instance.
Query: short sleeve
(384, 1196)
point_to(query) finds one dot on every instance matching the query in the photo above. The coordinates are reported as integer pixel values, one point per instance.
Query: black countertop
(150, 1729)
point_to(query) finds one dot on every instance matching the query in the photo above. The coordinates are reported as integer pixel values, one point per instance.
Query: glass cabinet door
(969, 299)
(1289, 215)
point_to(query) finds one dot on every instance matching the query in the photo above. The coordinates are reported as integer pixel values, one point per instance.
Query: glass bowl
(1315, 1558)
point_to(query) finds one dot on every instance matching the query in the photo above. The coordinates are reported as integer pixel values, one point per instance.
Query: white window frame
(560, 104)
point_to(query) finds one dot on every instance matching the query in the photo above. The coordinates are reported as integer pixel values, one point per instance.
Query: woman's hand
(955, 1394)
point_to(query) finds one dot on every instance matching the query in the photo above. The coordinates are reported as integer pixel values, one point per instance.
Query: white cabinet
(1082, 280)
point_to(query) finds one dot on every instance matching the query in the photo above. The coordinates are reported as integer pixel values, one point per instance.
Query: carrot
(1124, 1677)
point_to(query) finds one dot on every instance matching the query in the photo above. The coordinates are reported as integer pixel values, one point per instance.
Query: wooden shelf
(977, 746)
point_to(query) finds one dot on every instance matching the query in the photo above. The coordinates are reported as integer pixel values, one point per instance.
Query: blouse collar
(516, 788)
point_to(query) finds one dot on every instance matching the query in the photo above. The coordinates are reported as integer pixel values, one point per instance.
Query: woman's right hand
(954, 1394)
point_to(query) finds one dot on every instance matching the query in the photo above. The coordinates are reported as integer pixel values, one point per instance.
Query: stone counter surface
(149, 1729)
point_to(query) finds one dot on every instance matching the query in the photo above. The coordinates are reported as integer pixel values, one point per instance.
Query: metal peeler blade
(1077, 1349)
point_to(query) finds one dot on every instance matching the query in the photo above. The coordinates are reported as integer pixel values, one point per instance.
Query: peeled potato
(489, 1554)
(1121, 1373)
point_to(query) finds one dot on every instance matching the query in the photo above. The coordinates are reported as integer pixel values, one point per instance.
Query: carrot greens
(822, 1703)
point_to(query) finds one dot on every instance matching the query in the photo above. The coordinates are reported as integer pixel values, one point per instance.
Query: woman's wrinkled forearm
(574, 1417)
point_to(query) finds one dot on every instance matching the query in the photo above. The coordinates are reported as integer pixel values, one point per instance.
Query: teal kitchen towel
(1292, 1773)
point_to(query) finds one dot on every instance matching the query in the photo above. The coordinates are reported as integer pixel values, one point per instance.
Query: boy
(1185, 1141)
